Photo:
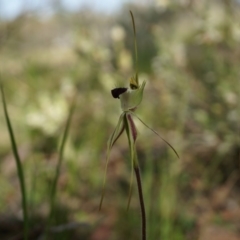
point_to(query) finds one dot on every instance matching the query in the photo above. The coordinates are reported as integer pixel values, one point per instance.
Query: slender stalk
(132, 137)
(59, 164)
(19, 166)
(135, 46)
(141, 200)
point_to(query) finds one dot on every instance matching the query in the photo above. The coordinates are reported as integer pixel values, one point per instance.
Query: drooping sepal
(156, 134)
(131, 131)
(113, 138)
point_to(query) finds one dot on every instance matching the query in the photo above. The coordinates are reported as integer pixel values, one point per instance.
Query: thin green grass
(19, 166)
(58, 168)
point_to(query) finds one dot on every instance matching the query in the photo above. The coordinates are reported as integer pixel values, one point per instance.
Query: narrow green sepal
(134, 84)
(131, 132)
(156, 134)
(113, 138)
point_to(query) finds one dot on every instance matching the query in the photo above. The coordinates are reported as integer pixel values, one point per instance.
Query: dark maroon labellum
(116, 92)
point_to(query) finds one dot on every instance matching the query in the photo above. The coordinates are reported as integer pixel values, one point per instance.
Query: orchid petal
(114, 137)
(132, 137)
(132, 98)
(156, 134)
(116, 134)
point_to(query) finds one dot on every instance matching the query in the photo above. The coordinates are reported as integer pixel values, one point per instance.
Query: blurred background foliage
(189, 54)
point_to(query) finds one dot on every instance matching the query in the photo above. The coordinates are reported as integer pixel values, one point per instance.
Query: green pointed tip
(136, 83)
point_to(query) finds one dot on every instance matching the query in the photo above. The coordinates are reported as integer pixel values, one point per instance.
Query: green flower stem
(141, 200)
(132, 137)
(19, 166)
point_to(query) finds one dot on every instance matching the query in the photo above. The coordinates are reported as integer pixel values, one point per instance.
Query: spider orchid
(130, 99)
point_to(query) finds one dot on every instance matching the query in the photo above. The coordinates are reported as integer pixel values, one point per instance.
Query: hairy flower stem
(141, 199)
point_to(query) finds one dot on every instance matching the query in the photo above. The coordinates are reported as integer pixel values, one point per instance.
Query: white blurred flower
(118, 33)
(48, 115)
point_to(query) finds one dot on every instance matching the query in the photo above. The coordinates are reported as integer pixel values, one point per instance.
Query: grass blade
(60, 159)
(19, 165)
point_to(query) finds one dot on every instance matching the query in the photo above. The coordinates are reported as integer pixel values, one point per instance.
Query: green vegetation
(188, 53)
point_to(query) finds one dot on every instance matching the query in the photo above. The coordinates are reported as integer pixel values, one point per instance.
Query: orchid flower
(130, 99)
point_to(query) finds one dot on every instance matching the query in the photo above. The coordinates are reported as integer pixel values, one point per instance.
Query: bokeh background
(189, 53)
